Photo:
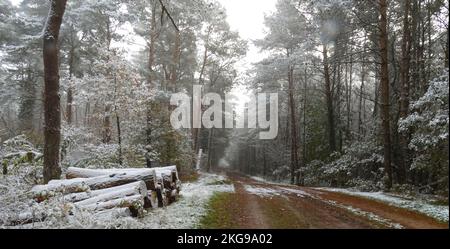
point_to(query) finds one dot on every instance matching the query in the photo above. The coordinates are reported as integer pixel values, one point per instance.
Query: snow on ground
(260, 179)
(298, 192)
(263, 192)
(436, 211)
(275, 191)
(368, 215)
(188, 210)
(185, 213)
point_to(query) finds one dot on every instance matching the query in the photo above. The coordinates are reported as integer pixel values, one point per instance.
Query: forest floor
(257, 204)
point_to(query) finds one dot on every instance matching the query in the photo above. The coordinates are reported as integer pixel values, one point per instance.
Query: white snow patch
(298, 192)
(188, 210)
(438, 212)
(260, 179)
(276, 191)
(260, 191)
(369, 215)
(257, 178)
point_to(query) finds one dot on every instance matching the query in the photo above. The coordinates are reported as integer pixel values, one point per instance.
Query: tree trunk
(210, 145)
(404, 92)
(151, 58)
(384, 84)
(107, 136)
(294, 146)
(264, 162)
(196, 132)
(52, 130)
(305, 104)
(69, 105)
(119, 132)
(361, 96)
(119, 136)
(176, 53)
(69, 109)
(349, 100)
(329, 101)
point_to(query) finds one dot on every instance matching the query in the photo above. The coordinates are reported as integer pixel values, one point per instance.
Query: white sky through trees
(244, 16)
(247, 17)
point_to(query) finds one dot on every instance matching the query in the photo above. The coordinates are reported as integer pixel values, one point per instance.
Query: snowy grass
(185, 213)
(438, 212)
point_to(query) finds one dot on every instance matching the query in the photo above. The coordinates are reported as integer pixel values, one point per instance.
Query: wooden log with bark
(102, 195)
(134, 203)
(113, 213)
(77, 185)
(22, 218)
(112, 192)
(121, 201)
(74, 172)
(168, 176)
(146, 175)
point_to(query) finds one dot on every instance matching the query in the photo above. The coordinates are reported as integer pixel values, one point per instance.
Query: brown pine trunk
(176, 53)
(361, 93)
(404, 91)
(69, 108)
(151, 58)
(196, 132)
(294, 146)
(329, 101)
(69, 105)
(210, 150)
(107, 130)
(107, 135)
(384, 84)
(264, 162)
(349, 99)
(119, 131)
(52, 130)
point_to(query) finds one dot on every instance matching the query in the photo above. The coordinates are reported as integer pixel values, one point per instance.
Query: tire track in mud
(266, 205)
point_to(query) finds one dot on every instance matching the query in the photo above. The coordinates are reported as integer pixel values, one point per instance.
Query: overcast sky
(247, 17)
(244, 16)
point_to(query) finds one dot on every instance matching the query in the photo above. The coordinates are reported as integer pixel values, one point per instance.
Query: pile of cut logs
(123, 192)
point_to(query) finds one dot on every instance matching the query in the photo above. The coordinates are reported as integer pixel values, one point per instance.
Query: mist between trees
(362, 88)
(223, 114)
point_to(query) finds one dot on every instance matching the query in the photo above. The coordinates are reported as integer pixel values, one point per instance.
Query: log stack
(114, 192)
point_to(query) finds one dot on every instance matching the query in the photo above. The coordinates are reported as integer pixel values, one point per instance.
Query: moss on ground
(219, 215)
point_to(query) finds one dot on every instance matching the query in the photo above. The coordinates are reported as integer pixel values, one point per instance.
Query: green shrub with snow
(359, 166)
(19, 155)
(428, 125)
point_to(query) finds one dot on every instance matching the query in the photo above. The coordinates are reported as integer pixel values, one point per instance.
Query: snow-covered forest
(86, 85)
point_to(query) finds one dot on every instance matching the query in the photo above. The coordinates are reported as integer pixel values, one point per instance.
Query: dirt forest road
(263, 205)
